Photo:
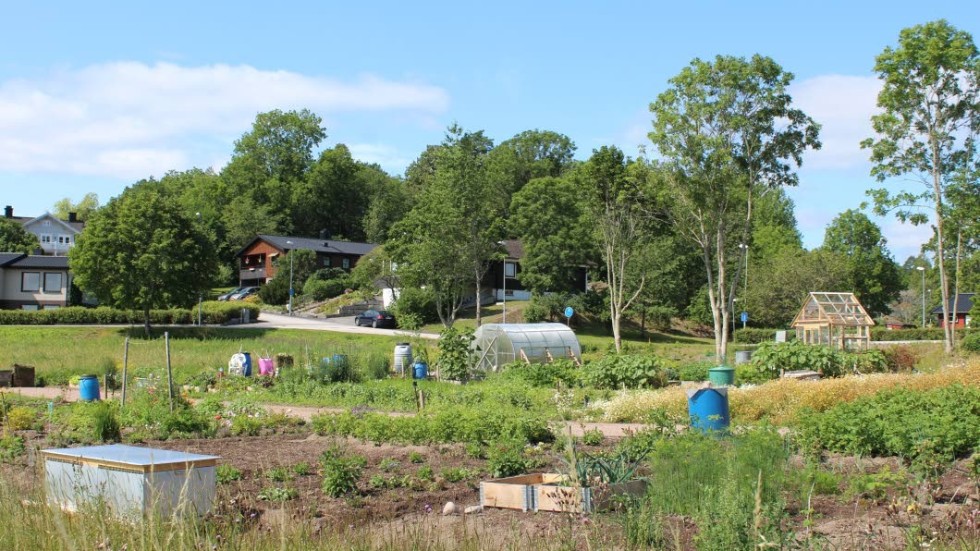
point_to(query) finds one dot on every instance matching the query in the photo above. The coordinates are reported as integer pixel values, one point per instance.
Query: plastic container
(88, 388)
(403, 357)
(420, 370)
(708, 408)
(722, 375)
(247, 365)
(742, 356)
(267, 366)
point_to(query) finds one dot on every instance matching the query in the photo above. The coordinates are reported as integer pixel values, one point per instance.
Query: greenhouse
(498, 344)
(834, 319)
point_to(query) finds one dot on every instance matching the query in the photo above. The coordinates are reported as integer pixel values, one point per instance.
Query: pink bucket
(267, 366)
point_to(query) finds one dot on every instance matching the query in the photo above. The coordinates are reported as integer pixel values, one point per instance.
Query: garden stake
(170, 373)
(125, 369)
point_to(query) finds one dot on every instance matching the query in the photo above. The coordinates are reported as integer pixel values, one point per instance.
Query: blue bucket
(88, 388)
(708, 408)
(420, 370)
(247, 365)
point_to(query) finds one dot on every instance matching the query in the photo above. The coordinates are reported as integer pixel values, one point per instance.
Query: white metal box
(130, 480)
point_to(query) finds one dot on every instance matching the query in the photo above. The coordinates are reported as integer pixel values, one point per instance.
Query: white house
(56, 235)
(30, 282)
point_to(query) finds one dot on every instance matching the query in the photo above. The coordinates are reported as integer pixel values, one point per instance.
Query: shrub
(105, 423)
(900, 358)
(213, 312)
(535, 311)
(11, 446)
(543, 375)
(697, 371)
(919, 334)
(971, 342)
(318, 289)
(659, 317)
(21, 418)
(753, 335)
(631, 371)
(455, 354)
(593, 437)
(771, 358)
(416, 302)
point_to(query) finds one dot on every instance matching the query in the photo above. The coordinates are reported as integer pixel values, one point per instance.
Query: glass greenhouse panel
(497, 344)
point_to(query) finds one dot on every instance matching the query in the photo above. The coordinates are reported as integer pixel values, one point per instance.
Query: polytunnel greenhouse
(498, 344)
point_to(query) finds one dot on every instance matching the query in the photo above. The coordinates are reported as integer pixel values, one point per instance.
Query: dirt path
(612, 431)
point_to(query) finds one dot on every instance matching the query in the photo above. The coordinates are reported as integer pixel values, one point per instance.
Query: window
(31, 307)
(64, 239)
(51, 307)
(52, 282)
(510, 269)
(30, 282)
(345, 263)
(326, 262)
(45, 238)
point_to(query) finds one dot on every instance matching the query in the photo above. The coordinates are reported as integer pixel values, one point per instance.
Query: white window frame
(345, 263)
(45, 238)
(510, 270)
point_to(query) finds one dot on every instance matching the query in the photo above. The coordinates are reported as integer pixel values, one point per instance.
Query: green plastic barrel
(722, 376)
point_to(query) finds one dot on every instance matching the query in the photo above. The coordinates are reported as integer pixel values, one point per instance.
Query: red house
(961, 315)
(255, 260)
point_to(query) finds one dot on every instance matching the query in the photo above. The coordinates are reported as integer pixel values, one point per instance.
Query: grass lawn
(59, 353)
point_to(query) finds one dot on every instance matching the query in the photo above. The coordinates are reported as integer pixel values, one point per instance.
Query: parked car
(227, 295)
(375, 318)
(245, 292)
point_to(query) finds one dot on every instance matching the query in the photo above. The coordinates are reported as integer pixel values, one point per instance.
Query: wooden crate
(549, 492)
(23, 375)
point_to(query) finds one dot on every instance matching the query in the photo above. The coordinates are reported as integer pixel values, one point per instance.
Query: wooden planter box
(547, 492)
(6, 377)
(23, 375)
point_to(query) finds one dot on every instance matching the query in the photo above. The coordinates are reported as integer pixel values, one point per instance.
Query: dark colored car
(243, 293)
(375, 318)
(229, 294)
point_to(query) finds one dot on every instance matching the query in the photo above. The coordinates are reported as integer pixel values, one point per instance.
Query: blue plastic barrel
(340, 360)
(420, 370)
(708, 408)
(88, 388)
(247, 365)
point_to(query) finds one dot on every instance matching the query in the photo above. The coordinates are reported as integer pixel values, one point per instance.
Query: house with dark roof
(56, 236)
(961, 315)
(257, 259)
(32, 282)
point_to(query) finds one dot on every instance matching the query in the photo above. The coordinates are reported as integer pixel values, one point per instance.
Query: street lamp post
(505, 284)
(290, 253)
(922, 271)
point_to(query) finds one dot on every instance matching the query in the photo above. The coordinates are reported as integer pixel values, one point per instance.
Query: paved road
(339, 325)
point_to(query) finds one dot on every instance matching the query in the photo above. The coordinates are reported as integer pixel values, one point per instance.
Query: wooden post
(170, 373)
(125, 371)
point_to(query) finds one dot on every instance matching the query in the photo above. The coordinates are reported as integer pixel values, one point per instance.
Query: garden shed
(834, 319)
(497, 344)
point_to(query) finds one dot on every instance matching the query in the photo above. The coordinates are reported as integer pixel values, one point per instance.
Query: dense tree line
(702, 229)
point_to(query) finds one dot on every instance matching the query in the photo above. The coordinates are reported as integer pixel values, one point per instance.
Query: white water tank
(403, 357)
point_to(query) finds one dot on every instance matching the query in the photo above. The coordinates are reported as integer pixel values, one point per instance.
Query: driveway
(339, 325)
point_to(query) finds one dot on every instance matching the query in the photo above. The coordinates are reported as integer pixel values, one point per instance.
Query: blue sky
(96, 95)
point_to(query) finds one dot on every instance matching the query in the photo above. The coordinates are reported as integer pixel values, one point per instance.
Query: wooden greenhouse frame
(834, 319)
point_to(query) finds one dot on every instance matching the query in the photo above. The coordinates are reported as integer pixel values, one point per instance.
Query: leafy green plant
(105, 423)
(279, 474)
(455, 354)
(457, 474)
(875, 485)
(11, 446)
(278, 494)
(226, 473)
(628, 370)
(341, 473)
(302, 469)
(506, 458)
(415, 457)
(544, 374)
(21, 418)
(593, 437)
(425, 473)
(388, 464)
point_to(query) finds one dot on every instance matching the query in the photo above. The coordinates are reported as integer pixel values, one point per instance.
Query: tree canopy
(15, 239)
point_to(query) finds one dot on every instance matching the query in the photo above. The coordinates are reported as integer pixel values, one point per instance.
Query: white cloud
(843, 105)
(130, 120)
(391, 159)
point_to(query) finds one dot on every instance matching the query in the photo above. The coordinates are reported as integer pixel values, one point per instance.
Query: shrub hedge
(212, 312)
(752, 335)
(927, 334)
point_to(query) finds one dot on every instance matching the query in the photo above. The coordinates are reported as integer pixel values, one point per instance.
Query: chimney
(8, 212)
(73, 217)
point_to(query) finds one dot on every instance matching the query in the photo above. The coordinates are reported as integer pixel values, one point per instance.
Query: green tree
(83, 209)
(332, 197)
(782, 282)
(389, 204)
(271, 160)
(529, 155)
(450, 236)
(549, 219)
(140, 252)
(15, 239)
(929, 101)
(729, 134)
(873, 276)
(615, 193)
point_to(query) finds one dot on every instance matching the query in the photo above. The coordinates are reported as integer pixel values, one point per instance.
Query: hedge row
(212, 312)
(927, 334)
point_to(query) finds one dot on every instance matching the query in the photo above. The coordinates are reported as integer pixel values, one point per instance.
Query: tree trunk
(940, 252)
(479, 307)
(146, 321)
(956, 283)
